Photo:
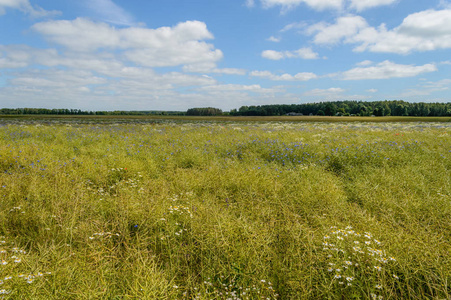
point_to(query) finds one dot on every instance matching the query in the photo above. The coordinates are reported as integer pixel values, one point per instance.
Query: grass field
(224, 209)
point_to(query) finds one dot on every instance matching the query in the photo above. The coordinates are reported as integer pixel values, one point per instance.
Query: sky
(179, 54)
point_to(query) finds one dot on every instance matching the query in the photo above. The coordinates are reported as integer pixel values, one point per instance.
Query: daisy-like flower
(378, 268)
(348, 263)
(349, 278)
(396, 277)
(378, 286)
(337, 276)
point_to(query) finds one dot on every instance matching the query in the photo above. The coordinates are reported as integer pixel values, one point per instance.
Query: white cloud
(273, 55)
(250, 3)
(295, 25)
(364, 63)
(360, 5)
(344, 27)
(304, 53)
(386, 70)
(109, 12)
(165, 46)
(423, 31)
(236, 87)
(331, 94)
(324, 92)
(427, 88)
(372, 91)
(303, 76)
(315, 4)
(273, 39)
(211, 68)
(25, 7)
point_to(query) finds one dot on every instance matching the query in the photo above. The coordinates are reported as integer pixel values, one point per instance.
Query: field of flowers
(225, 210)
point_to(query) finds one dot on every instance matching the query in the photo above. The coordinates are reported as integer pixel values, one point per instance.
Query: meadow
(225, 210)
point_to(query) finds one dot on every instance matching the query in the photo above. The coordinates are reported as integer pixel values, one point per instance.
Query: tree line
(65, 111)
(349, 108)
(336, 108)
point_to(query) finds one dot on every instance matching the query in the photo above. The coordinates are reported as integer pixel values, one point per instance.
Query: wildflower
(378, 268)
(348, 263)
(396, 277)
(339, 237)
(337, 276)
(349, 278)
(378, 286)
(330, 269)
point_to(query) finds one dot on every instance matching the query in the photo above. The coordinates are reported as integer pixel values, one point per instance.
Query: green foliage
(204, 111)
(210, 210)
(361, 108)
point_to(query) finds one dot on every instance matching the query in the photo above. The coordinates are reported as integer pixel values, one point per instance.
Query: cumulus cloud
(303, 76)
(386, 70)
(304, 53)
(25, 7)
(165, 46)
(344, 27)
(423, 31)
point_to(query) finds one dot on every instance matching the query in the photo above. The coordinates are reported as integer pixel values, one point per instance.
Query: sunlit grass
(210, 210)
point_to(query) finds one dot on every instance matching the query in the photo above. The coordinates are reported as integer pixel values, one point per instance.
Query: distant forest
(65, 111)
(349, 108)
(337, 108)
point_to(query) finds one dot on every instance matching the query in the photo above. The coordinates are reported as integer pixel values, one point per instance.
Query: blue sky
(175, 54)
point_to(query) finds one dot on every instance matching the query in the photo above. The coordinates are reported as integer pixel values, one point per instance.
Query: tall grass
(225, 211)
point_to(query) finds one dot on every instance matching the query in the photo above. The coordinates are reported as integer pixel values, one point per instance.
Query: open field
(222, 209)
(153, 118)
